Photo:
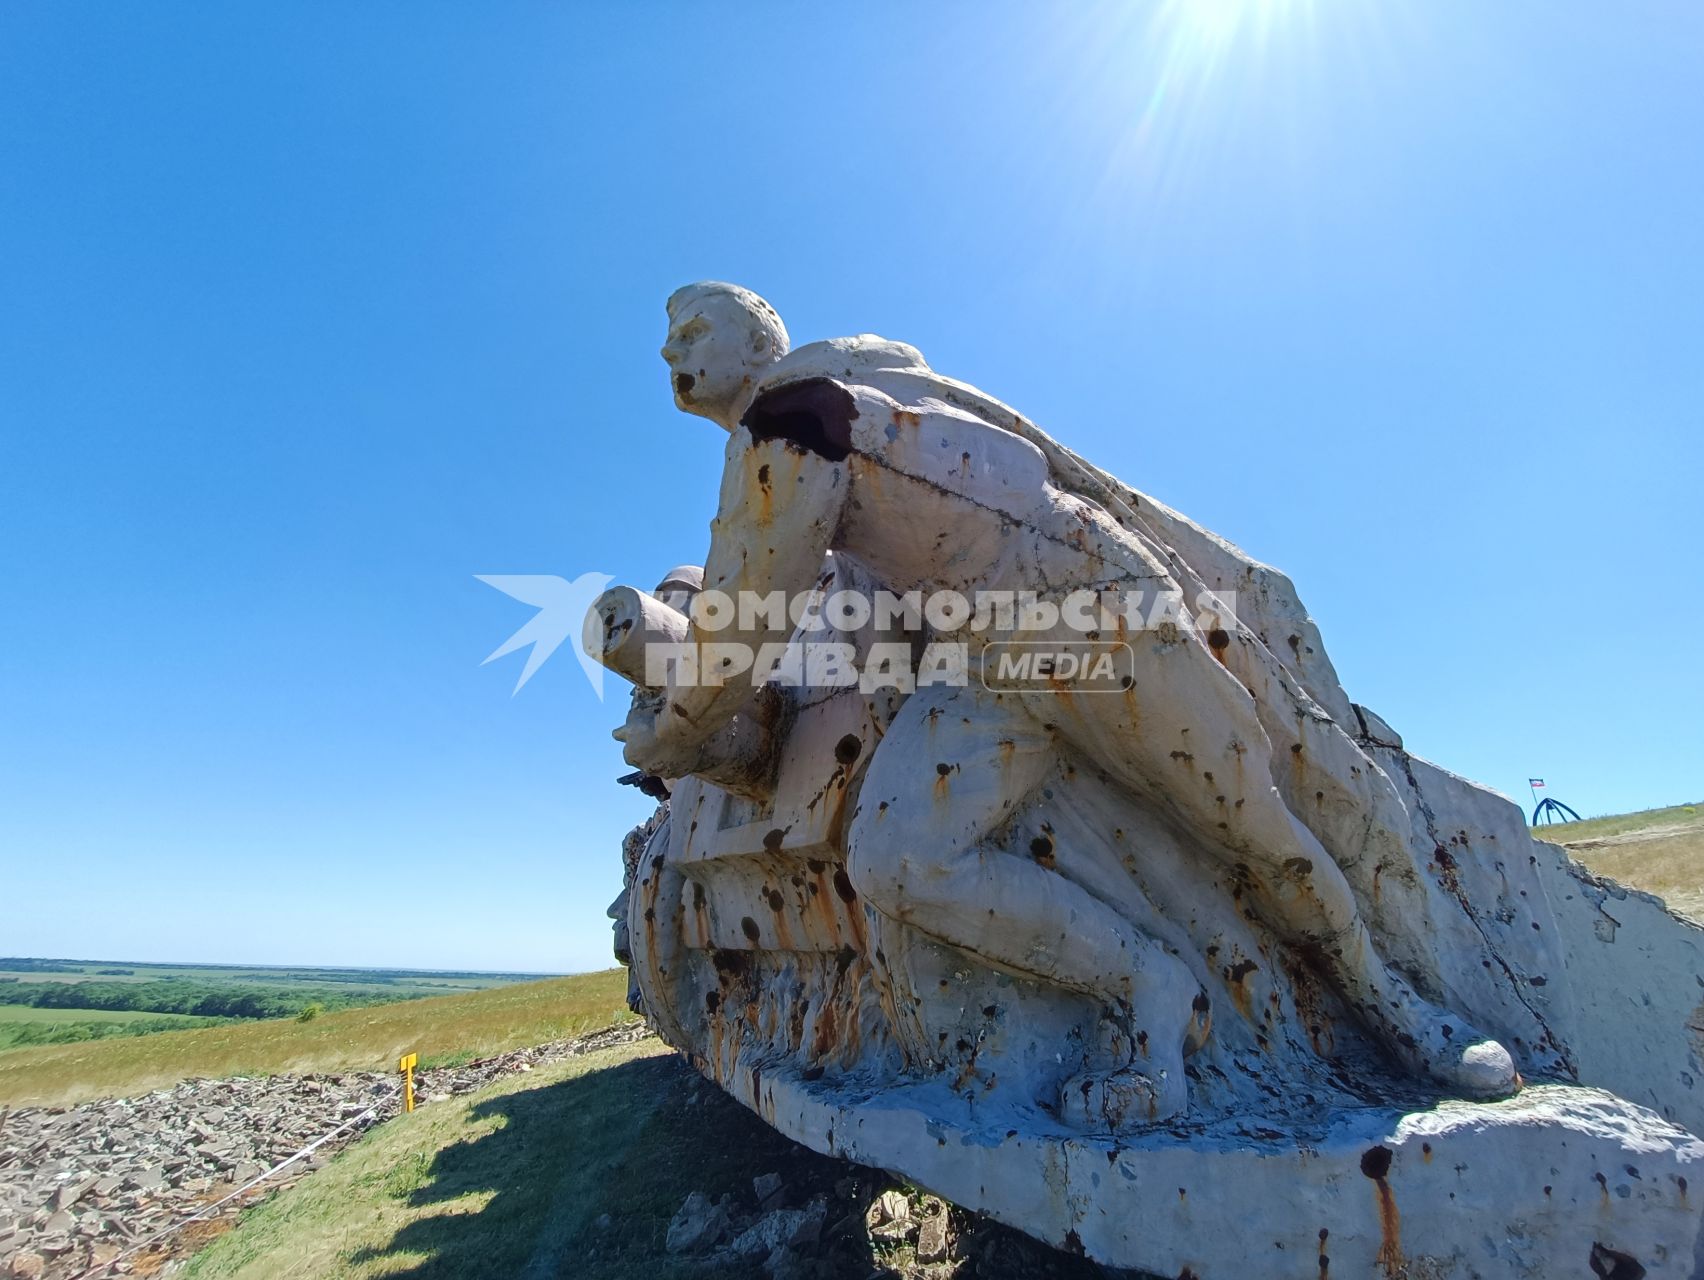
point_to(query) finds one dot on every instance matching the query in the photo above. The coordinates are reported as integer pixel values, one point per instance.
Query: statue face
(709, 352)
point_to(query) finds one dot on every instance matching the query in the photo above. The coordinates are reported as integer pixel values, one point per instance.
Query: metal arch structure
(1550, 810)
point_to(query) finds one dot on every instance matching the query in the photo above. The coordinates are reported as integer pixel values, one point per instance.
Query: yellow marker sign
(406, 1066)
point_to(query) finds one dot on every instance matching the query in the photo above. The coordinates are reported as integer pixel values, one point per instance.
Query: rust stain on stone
(1375, 1164)
(1236, 977)
(1041, 849)
(825, 1036)
(943, 771)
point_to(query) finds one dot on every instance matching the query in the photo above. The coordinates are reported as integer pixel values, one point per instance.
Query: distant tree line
(201, 1000)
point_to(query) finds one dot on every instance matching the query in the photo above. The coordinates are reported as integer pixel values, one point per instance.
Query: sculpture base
(1560, 1180)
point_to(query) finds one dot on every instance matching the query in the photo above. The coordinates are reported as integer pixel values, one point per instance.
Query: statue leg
(1187, 735)
(953, 767)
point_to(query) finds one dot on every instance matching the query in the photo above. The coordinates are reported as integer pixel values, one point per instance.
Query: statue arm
(779, 510)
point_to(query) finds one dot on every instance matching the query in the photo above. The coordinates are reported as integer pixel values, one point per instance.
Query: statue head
(721, 340)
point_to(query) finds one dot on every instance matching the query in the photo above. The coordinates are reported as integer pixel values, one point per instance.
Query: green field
(85, 999)
(32, 975)
(438, 1028)
(424, 981)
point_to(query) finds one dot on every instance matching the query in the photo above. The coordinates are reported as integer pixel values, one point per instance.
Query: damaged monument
(1019, 838)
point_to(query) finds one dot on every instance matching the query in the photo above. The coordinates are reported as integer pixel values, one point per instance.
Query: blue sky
(313, 312)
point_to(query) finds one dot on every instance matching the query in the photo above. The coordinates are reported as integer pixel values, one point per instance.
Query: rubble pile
(900, 1232)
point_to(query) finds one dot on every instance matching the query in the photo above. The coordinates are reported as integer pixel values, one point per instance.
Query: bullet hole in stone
(1375, 1162)
(1612, 1264)
(815, 413)
(843, 885)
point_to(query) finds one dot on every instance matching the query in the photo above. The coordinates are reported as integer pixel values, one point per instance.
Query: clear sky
(312, 312)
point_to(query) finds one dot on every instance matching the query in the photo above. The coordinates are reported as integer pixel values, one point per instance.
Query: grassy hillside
(575, 1171)
(1658, 850)
(24, 1025)
(483, 1185)
(24, 1013)
(439, 1028)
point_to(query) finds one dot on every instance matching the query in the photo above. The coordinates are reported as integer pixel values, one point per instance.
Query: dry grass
(1659, 850)
(440, 1029)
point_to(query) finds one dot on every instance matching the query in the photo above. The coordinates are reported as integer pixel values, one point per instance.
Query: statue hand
(739, 756)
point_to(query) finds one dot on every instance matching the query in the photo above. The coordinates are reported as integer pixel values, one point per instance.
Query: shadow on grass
(582, 1178)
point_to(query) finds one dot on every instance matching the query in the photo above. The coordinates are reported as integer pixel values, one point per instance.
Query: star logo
(562, 607)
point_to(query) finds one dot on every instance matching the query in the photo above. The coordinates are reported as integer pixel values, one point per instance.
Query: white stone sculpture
(1183, 969)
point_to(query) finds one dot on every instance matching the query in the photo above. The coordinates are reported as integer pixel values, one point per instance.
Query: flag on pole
(1535, 782)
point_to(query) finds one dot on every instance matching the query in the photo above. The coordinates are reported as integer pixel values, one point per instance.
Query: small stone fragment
(769, 1190)
(697, 1225)
(932, 1237)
